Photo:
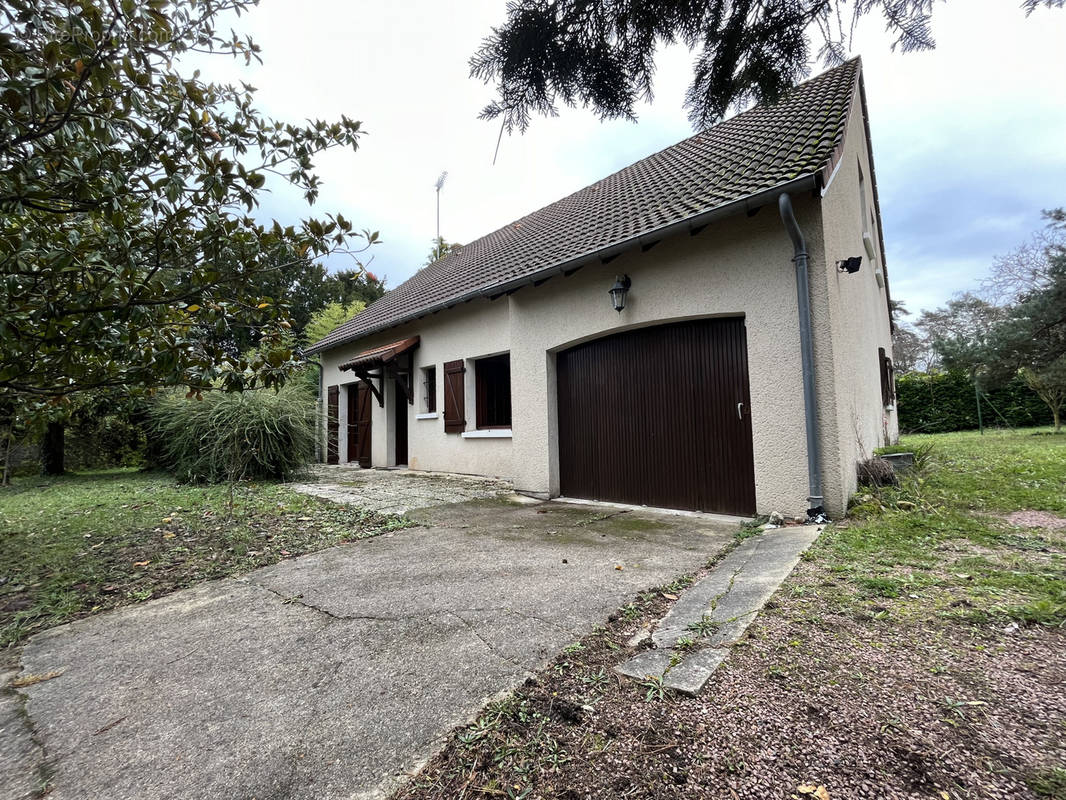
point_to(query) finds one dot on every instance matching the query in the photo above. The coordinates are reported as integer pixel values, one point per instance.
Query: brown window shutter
(332, 424)
(454, 397)
(888, 389)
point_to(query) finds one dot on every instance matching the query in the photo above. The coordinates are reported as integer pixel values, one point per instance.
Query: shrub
(876, 472)
(253, 435)
(941, 402)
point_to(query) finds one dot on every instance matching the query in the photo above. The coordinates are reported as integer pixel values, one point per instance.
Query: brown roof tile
(755, 151)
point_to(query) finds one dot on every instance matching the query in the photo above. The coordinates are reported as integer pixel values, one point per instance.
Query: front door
(359, 409)
(400, 415)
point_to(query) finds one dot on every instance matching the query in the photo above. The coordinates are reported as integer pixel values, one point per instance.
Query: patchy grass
(917, 651)
(80, 544)
(938, 543)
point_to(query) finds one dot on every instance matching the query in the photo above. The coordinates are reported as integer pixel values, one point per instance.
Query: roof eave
(807, 182)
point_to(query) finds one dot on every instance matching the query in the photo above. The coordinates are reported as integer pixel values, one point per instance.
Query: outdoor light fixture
(618, 292)
(850, 265)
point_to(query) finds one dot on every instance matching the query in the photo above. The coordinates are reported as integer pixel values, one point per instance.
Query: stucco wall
(473, 330)
(738, 266)
(856, 310)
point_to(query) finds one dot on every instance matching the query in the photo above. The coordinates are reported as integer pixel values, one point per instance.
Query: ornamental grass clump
(229, 437)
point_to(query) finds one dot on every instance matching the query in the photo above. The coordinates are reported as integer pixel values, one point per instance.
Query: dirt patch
(1036, 519)
(811, 696)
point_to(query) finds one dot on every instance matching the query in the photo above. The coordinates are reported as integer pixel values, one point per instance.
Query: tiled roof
(757, 150)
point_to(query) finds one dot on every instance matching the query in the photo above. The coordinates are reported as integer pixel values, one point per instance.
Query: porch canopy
(387, 360)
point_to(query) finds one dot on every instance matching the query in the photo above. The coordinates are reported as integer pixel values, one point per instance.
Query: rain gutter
(810, 410)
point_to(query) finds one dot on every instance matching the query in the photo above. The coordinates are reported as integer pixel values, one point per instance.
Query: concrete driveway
(335, 674)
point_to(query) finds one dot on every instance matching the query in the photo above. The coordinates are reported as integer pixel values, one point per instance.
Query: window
(429, 390)
(493, 382)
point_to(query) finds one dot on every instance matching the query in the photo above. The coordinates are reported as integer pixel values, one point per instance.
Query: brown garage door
(660, 417)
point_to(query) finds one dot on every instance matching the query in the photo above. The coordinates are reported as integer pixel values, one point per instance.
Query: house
(705, 329)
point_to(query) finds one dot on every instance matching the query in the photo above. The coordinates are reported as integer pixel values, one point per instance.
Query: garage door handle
(740, 411)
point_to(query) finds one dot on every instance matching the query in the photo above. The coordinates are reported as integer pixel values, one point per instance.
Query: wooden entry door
(359, 411)
(400, 409)
(659, 416)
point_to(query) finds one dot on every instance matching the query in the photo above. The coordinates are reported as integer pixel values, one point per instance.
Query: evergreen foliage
(600, 54)
(941, 402)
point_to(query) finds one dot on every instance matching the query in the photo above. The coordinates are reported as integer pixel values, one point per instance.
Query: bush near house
(941, 402)
(253, 435)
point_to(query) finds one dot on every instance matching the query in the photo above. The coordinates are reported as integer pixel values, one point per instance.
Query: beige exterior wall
(851, 321)
(737, 267)
(741, 266)
(471, 331)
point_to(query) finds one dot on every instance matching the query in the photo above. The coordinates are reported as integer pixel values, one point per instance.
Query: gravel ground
(815, 701)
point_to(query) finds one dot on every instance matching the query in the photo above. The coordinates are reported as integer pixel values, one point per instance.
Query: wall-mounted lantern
(618, 292)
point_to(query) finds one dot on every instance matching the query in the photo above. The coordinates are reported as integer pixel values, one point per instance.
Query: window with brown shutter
(888, 378)
(332, 425)
(454, 398)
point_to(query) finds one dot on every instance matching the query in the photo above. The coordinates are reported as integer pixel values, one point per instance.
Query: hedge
(944, 401)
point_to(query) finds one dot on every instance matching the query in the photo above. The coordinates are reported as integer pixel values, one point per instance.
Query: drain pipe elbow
(810, 407)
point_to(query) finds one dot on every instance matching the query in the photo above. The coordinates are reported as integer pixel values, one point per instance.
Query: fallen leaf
(945, 796)
(168, 519)
(141, 563)
(30, 680)
(169, 535)
(669, 596)
(618, 567)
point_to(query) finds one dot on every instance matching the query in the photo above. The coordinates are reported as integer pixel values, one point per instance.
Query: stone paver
(396, 491)
(727, 600)
(335, 674)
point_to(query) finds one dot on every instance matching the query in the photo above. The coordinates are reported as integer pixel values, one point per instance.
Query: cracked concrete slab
(334, 674)
(724, 602)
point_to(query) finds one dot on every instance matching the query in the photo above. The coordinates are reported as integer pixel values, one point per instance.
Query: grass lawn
(79, 544)
(918, 651)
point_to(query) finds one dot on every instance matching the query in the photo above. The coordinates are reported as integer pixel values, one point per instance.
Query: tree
(347, 286)
(1027, 268)
(127, 245)
(441, 248)
(1032, 339)
(1050, 386)
(600, 54)
(958, 333)
(910, 352)
(327, 319)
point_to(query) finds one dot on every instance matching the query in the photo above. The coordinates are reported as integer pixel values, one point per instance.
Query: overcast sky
(969, 140)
